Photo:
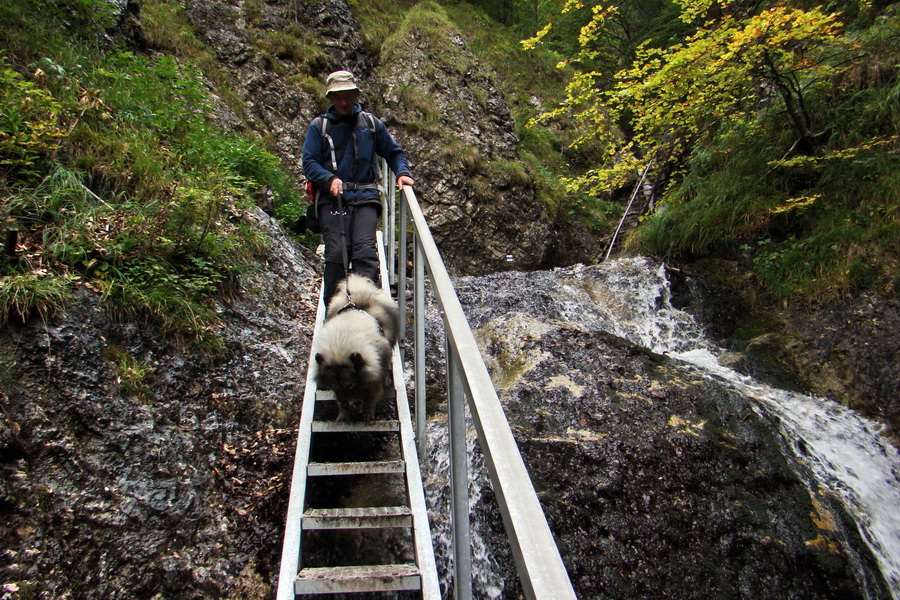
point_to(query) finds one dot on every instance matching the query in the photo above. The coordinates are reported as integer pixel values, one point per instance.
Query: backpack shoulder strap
(371, 123)
(324, 124)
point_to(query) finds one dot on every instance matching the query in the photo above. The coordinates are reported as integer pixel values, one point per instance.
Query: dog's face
(345, 379)
(341, 375)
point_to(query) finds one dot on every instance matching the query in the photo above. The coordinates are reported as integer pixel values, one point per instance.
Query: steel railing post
(391, 186)
(419, 298)
(385, 208)
(459, 479)
(402, 256)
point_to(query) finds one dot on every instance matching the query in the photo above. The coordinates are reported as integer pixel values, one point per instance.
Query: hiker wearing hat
(339, 158)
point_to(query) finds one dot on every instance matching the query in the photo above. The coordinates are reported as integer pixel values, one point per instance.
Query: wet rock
(766, 358)
(656, 481)
(846, 350)
(177, 492)
(849, 350)
(662, 486)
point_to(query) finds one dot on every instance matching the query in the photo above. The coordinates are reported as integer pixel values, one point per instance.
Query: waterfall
(844, 451)
(631, 298)
(488, 581)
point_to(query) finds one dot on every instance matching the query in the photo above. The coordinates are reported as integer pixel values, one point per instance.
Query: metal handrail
(541, 570)
(637, 188)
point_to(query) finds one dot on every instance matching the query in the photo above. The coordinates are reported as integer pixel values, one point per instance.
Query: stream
(832, 447)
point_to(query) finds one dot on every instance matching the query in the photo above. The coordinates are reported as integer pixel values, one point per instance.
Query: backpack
(363, 119)
(308, 221)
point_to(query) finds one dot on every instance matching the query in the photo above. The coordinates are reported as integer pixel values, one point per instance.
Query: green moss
(421, 113)
(458, 152)
(295, 46)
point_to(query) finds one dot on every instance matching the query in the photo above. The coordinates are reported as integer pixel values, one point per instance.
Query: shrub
(30, 127)
(118, 180)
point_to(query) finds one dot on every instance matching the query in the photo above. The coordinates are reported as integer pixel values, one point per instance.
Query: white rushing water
(487, 581)
(845, 452)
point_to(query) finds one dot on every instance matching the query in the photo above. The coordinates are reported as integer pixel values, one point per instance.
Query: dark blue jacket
(317, 166)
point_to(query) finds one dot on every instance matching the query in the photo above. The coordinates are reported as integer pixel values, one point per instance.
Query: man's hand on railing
(404, 180)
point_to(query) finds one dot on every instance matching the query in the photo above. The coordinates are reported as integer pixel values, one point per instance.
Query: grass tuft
(25, 294)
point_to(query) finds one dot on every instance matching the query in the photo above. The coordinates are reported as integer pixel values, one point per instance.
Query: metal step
(340, 580)
(375, 467)
(390, 425)
(328, 395)
(357, 518)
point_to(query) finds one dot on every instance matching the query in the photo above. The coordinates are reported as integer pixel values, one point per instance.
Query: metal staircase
(347, 507)
(358, 453)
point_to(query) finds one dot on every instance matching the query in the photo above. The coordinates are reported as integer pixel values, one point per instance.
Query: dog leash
(341, 213)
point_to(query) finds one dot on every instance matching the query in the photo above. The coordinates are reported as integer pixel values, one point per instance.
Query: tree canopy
(784, 99)
(735, 65)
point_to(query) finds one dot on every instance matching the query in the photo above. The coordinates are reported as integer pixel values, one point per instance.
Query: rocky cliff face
(441, 104)
(471, 191)
(171, 487)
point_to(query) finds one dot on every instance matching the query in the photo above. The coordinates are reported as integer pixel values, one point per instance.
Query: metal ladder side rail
(293, 533)
(424, 545)
(541, 570)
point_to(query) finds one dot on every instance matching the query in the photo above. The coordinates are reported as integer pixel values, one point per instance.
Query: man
(339, 157)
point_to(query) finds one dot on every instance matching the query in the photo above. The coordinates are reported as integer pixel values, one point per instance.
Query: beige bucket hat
(340, 81)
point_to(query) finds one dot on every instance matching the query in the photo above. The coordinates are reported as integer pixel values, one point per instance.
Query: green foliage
(458, 152)
(296, 46)
(30, 30)
(132, 374)
(523, 76)
(119, 181)
(812, 226)
(164, 26)
(159, 96)
(171, 295)
(673, 98)
(30, 127)
(773, 130)
(506, 173)
(378, 19)
(431, 27)
(421, 113)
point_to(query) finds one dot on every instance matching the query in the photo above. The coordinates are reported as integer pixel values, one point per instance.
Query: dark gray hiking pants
(360, 223)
